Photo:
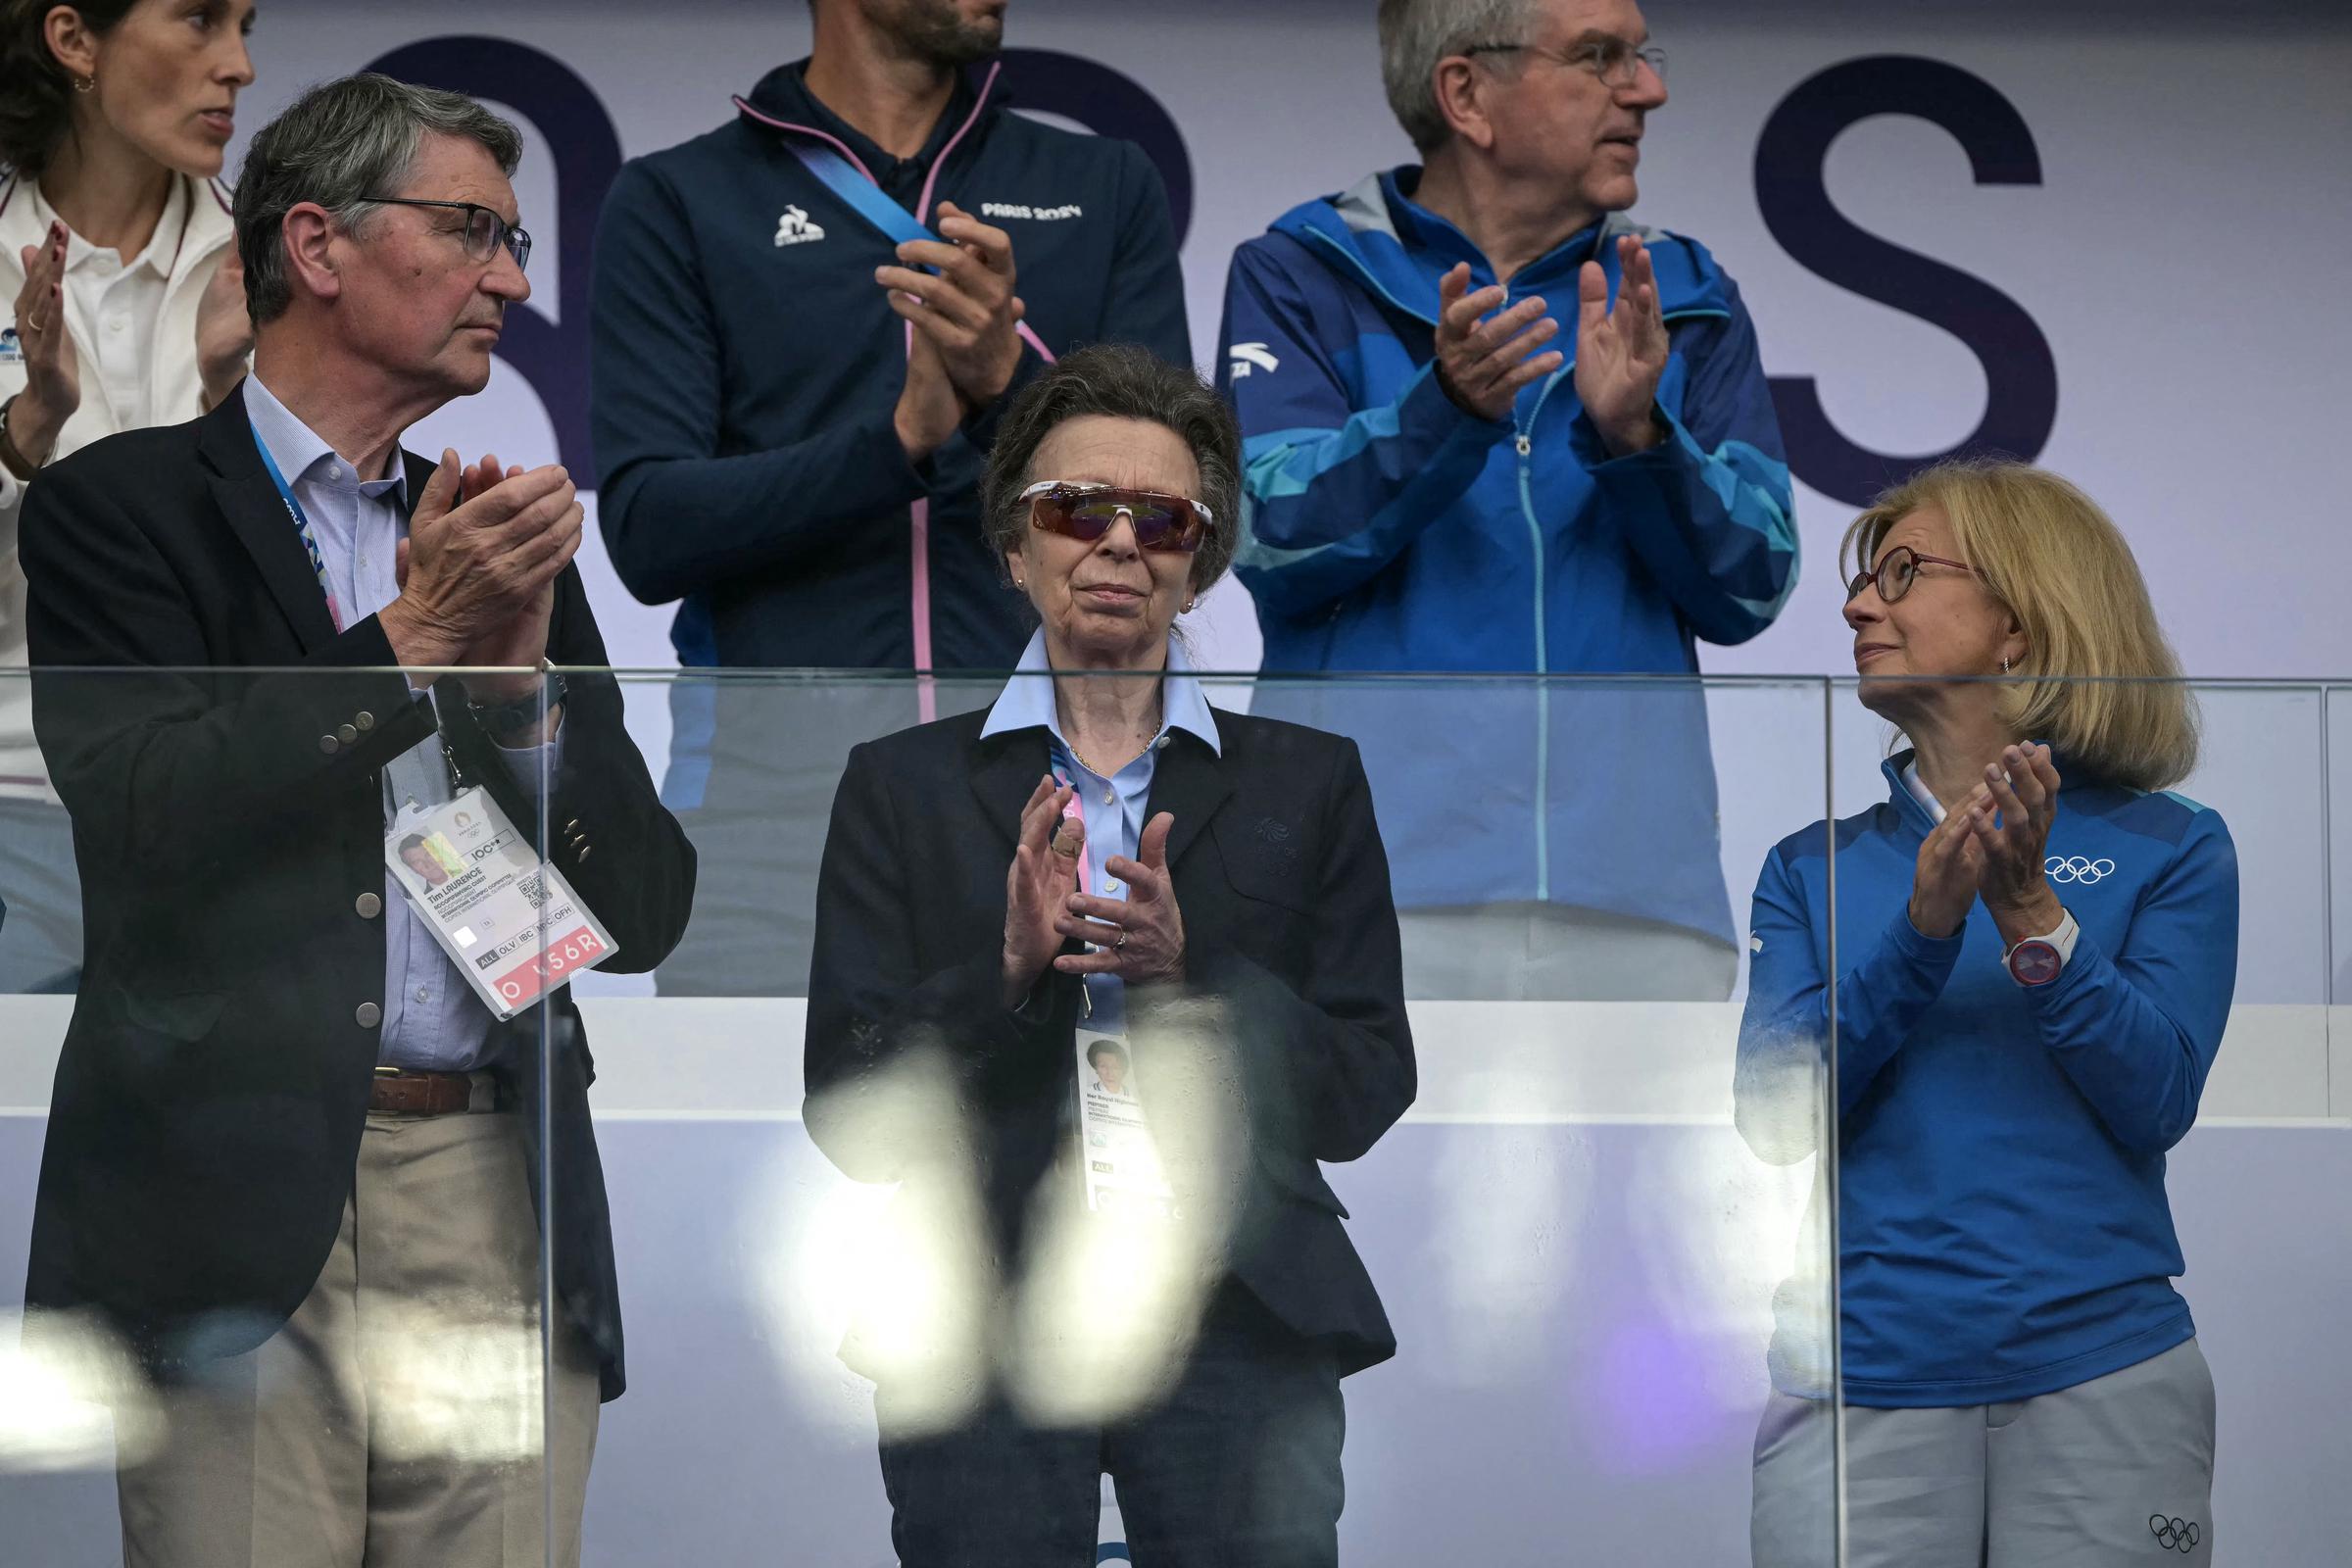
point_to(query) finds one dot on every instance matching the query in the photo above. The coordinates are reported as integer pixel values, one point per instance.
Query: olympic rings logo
(2075, 868)
(2181, 1535)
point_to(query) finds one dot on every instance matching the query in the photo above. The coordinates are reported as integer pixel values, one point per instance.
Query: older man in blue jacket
(1494, 427)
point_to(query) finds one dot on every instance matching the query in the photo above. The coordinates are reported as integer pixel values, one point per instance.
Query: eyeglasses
(1617, 63)
(1895, 571)
(1087, 512)
(485, 231)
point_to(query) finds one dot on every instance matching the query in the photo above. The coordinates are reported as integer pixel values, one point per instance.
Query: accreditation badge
(507, 919)
(1123, 1173)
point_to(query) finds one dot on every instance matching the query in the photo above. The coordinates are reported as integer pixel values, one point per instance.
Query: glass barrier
(261, 1300)
(1582, 1267)
(849, 1167)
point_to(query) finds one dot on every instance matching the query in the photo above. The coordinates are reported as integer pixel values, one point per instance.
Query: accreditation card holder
(507, 919)
(1123, 1174)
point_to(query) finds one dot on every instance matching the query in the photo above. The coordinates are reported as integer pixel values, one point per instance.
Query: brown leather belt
(398, 1092)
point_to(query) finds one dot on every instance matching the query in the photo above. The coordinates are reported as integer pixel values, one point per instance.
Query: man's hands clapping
(1483, 364)
(478, 569)
(966, 314)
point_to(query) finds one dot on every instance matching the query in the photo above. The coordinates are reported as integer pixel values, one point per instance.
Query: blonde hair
(2098, 680)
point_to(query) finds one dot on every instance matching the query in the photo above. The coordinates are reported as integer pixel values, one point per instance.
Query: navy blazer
(1289, 1031)
(223, 772)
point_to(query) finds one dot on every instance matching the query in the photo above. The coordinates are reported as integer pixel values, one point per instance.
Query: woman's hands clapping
(1044, 874)
(1992, 847)
(1139, 938)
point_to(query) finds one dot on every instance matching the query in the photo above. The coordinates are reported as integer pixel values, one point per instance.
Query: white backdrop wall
(2179, 244)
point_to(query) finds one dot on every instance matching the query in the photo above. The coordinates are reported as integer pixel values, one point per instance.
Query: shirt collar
(163, 246)
(303, 456)
(1027, 701)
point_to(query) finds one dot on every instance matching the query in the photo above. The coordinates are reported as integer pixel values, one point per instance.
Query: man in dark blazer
(292, 1159)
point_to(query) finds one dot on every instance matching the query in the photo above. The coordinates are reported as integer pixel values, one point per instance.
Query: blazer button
(365, 721)
(367, 905)
(369, 1015)
(347, 734)
(329, 745)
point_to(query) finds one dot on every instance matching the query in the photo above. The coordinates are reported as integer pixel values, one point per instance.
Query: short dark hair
(1106, 1048)
(36, 112)
(1121, 381)
(340, 143)
(415, 841)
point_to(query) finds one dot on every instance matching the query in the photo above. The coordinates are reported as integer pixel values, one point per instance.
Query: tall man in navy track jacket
(1493, 426)
(804, 323)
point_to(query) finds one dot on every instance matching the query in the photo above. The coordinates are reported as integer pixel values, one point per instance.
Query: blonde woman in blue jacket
(2036, 945)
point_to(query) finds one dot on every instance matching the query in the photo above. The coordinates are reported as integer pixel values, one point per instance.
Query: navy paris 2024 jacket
(747, 367)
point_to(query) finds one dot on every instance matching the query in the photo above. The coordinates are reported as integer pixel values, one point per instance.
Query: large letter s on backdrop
(2021, 404)
(576, 132)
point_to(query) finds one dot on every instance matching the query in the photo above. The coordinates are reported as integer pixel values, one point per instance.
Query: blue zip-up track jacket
(2003, 1230)
(1390, 530)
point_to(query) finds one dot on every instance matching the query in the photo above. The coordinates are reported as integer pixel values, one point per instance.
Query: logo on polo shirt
(2175, 1535)
(2075, 868)
(794, 228)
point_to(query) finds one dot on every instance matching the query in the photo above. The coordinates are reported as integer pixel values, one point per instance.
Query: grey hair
(1119, 381)
(340, 143)
(1415, 35)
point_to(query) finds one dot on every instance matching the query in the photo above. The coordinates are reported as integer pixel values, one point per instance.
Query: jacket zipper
(1523, 444)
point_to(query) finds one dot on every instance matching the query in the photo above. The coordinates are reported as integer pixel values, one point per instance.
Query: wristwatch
(498, 718)
(2038, 960)
(21, 463)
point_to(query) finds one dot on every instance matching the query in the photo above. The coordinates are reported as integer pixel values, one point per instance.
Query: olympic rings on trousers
(2075, 868)
(2179, 1534)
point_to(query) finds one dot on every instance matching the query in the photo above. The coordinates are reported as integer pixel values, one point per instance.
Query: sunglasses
(1087, 512)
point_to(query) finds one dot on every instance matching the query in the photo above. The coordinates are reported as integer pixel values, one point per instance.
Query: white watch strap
(2062, 939)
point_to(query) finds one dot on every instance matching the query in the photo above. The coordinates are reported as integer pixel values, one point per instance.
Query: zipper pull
(1523, 445)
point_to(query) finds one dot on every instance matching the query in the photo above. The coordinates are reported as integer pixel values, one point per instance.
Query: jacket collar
(1397, 249)
(782, 102)
(1190, 781)
(1914, 810)
(242, 489)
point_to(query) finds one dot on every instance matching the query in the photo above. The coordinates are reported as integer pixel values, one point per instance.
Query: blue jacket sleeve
(2138, 1031)
(1333, 491)
(677, 514)
(1708, 510)
(1776, 1084)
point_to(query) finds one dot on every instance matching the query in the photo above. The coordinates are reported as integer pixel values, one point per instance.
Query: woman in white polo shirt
(129, 309)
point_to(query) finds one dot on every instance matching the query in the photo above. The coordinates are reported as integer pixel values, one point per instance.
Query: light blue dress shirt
(1114, 806)
(433, 1022)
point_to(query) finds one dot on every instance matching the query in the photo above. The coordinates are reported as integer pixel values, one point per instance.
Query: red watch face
(2033, 963)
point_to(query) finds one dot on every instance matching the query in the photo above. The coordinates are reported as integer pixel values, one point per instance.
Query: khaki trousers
(396, 1421)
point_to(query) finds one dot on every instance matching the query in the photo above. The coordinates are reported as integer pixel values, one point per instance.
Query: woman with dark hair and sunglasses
(2036, 948)
(126, 309)
(1153, 1284)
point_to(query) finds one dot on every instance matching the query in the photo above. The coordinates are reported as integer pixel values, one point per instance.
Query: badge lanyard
(1065, 776)
(302, 528)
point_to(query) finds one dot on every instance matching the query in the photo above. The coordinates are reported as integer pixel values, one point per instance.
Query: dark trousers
(1236, 1467)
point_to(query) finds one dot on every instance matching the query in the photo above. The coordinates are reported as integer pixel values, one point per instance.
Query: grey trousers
(1557, 952)
(2114, 1472)
(396, 1420)
(41, 939)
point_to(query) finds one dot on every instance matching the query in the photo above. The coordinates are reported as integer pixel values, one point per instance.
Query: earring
(85, 83)
(1187, 609)
(2004, 663)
